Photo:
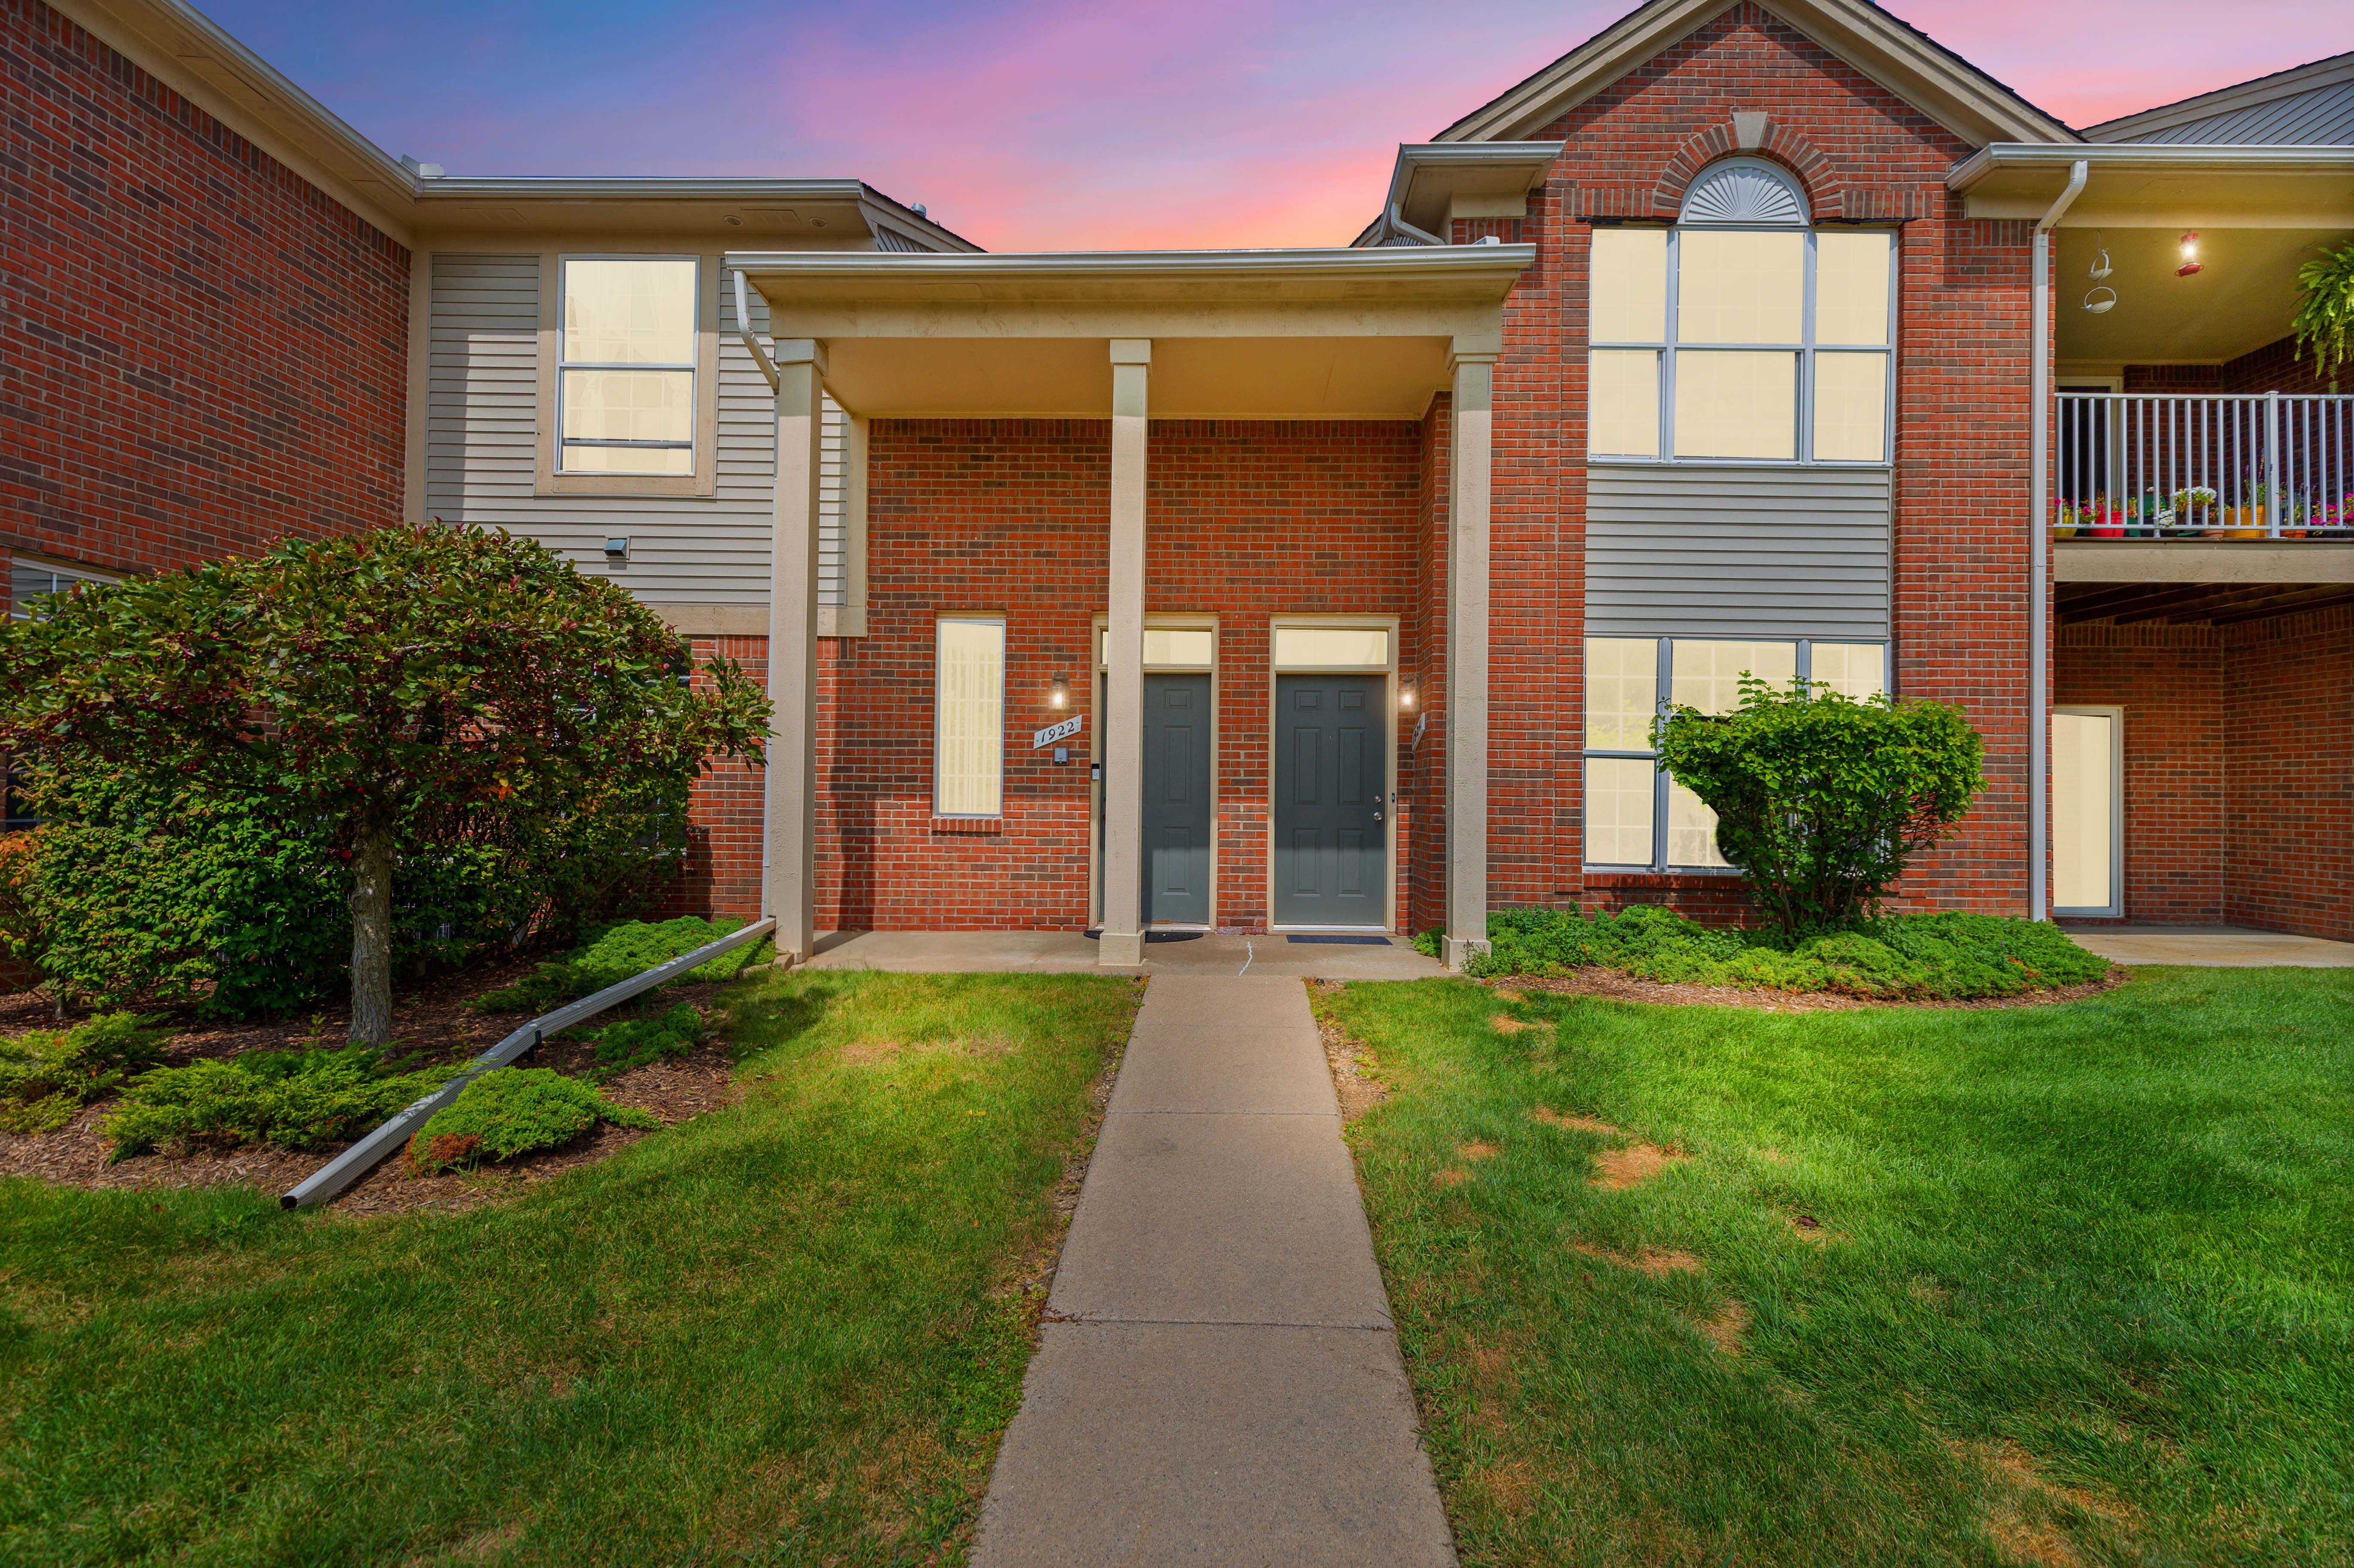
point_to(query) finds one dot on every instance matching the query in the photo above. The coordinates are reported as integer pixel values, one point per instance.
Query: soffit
(2162, 184)
(1933, 79)
(1431, 176)
(2241, 299)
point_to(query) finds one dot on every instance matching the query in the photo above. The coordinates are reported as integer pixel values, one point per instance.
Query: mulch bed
(429, 1017)
(1616, 986)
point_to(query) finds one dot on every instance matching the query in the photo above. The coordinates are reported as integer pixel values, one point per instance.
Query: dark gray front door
(1176, 799)
(1331, 817)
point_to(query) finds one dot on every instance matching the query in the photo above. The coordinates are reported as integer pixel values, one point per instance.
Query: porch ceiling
(2193, 604)
(2240, 299)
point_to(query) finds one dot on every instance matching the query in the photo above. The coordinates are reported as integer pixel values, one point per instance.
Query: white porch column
(1122, 940)
(1468, 456)
(789, 876)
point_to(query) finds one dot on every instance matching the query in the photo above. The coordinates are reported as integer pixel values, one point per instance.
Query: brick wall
(2289, 739)
(2275, 367)
(1962, 418)
(2170, 680)
(1245, 519)
(204, 353)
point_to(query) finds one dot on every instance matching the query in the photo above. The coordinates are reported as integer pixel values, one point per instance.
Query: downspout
(2039, 533)
(743, 329)
(1398, 225)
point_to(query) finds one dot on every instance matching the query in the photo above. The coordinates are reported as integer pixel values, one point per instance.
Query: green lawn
(2079, 1288)
(782, 1332)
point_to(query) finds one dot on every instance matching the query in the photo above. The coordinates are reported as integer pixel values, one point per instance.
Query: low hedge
(1943, 956)
(513, 1111)
(46, 1075)
(636, 1043)
(612, 954)
(288, 1099)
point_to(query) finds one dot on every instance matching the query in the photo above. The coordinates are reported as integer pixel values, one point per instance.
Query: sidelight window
(1741, 334)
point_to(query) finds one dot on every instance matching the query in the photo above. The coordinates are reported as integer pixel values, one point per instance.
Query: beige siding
(481, 429)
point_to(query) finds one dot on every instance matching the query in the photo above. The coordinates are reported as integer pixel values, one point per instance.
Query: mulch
(1616, 986)
(429, 1017)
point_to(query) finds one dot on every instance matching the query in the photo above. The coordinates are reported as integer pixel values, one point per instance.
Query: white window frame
(701, 480)
(1661, 703)
(1005, 658)
(1806, 351)
(66, 576)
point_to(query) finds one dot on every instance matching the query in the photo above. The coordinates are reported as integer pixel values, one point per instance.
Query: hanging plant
(2325, 320)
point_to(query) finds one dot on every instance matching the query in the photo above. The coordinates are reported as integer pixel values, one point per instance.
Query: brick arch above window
(1832, 192)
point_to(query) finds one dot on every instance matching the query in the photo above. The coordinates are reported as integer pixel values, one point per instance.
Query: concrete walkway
(1218, 1381)
(1068, 952)
(2216, 946)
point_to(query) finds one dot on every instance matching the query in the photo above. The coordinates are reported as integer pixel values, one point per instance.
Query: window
(1331, 647)
(1741, 334)
(1636, 816)
(627, 365)
(969, 721)
(29, 580)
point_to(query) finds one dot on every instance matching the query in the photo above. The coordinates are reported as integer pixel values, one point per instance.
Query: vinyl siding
(1677, 550)
(481, 430)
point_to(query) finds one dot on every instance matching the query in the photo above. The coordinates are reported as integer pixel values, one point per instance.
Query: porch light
(1061, 697)
(2189, 256)
(1405, 697)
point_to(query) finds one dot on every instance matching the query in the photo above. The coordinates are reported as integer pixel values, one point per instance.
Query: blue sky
(1053, 125)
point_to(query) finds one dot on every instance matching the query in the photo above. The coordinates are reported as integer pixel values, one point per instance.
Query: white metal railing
(2265, 465)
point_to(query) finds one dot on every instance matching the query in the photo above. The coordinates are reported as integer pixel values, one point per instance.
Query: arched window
(1741, 334)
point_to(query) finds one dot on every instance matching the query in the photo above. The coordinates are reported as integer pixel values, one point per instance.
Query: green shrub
(614, 953)
(1820, 798)
(226, 900)
(48, 1075)
(288, 1099)
(635, 1042)
(1430, 944)
(1947, 957)
(513, 1111)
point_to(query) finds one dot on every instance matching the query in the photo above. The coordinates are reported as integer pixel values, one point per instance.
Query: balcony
(2244, 468)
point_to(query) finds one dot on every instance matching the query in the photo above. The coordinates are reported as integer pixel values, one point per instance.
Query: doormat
(1344, 941)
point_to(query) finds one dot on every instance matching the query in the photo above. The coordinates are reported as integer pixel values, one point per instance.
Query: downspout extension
(2039, 534)
(743, 329)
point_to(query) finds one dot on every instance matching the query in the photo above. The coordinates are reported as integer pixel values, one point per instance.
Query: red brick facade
(204, 353)
(2239, 745)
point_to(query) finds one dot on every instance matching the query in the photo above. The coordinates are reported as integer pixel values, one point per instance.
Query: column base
(1121, 950)
(1459, 951)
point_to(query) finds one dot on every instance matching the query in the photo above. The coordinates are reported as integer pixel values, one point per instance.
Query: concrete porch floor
(2219, 946)
(1068, 952)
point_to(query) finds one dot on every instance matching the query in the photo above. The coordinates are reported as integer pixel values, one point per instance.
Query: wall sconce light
(1405, 697)
(1061, 696)
(2189, 256)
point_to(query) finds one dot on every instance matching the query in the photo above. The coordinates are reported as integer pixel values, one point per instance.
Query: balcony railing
(2203, 466)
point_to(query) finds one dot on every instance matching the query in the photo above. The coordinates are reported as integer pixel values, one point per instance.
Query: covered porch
(2193, 649)
(1152, 501)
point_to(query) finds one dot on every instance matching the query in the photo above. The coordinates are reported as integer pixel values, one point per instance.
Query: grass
(784, 1332)
(2079, 1287)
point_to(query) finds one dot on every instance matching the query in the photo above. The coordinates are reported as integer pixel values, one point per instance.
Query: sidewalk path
(1218, 1380)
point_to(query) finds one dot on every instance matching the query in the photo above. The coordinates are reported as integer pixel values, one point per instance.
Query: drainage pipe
(2038, 535)
(743, 329)
(369, 1152)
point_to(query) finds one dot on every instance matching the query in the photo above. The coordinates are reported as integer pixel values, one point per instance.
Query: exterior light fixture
(2189, 256)
(1061, 698)
(1405, 697)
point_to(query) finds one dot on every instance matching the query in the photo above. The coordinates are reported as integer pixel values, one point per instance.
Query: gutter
(1342, 262)
(2179, 158)
(2039, 630)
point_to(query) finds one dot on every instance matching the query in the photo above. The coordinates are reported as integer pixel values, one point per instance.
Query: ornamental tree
(446, 682)
(1821, 798)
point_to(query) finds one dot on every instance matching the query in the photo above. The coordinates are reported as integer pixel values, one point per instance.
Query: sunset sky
(1062, 124)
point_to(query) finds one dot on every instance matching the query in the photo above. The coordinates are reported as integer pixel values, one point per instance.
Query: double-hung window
(1741, 334)
(29, 580)
(627, 365)
(1638, 817)
(969, 717)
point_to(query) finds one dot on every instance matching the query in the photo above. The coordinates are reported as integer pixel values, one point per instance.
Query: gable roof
(1933, 78)
(2305, 105)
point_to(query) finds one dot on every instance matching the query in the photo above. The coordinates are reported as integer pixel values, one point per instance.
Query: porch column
(1472, 424)
(1122, 939)
(788, 880)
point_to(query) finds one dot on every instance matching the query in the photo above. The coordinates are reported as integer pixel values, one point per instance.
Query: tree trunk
(371, 938)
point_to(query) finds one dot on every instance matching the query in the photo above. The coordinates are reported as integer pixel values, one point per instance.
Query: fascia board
(2155, 157)
(2280, 84)
(1448, 163)
(634, 187)
(1496, 263)
(1958, 95)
